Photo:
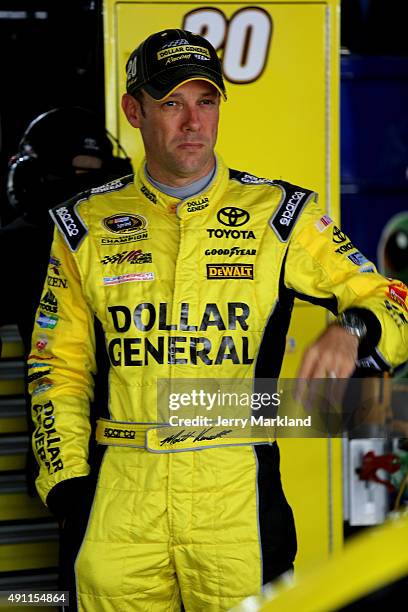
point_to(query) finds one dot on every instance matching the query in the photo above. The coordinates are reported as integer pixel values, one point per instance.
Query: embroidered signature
(182, 435)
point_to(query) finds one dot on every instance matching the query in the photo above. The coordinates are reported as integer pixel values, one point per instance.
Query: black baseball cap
(167, 59)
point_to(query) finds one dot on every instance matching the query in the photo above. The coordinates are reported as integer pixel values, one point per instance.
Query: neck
(183, 191)
(160, 175)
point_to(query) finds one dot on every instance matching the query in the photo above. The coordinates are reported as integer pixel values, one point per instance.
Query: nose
(191, 119)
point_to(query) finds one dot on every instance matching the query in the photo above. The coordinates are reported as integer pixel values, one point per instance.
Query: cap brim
(160, 87)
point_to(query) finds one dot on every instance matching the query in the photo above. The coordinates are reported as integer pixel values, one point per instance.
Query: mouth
(192, 146)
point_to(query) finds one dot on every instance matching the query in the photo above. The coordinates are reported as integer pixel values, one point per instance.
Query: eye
(207, 102)
(169, 104)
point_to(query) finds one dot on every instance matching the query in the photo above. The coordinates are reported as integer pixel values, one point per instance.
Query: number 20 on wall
(244, 39)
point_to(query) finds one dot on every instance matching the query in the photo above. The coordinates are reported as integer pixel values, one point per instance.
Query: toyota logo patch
(232, 217)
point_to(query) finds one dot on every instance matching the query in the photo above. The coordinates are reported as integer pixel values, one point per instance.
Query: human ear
(132, 109)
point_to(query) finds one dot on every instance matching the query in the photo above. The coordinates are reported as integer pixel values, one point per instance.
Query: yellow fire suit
(196, 289)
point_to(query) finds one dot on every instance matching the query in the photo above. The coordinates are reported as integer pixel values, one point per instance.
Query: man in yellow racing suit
(192, 288)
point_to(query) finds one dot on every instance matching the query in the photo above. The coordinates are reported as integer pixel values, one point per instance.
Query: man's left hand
(333, 355)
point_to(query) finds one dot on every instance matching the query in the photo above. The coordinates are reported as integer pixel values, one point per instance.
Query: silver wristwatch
(352, 324)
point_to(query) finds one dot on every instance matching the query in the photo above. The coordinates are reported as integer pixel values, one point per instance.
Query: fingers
(333, 355)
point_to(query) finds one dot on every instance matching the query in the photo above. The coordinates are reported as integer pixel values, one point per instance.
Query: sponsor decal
(56, 281)
(177, 50)
(133, 257)
(37, 375)
(291, 205)
(54, 264)
(42, 343)
(54, 261)
(37, 364)
(111, 186)
(215, 271)
(200, 204)
(290, 345)
(286, 216)
(370, 269)
(181, 348)
(67, 221)
(124, 223)
(70, 224)
(33, 356)
(177, 58)
(358, 259)
(251, 179)
(49, 302)
(344, 248)
(395, 313)
(323, 223)
(235, 250)
(46, 439)
(398, 293)
(175, 43)
(132, 70)
(47, 321)
(368, 362)
(109, 432)
(148, 194)
(232, 217)
(107, 240)
(42, 387)
(236, 234)
(128, 278)
(338, 235)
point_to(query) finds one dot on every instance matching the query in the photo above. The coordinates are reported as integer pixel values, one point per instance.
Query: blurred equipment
(370, 573)
(393, 247)
(62, 152)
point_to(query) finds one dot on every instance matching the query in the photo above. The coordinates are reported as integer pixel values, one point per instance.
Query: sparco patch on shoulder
(70, 223)
(291, 205)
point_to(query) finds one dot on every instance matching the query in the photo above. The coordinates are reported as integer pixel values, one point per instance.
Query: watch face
(353, 324)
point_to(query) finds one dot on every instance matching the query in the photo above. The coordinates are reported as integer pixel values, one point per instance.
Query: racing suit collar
(194, 203)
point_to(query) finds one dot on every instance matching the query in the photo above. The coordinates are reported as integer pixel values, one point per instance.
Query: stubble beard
(192, 163)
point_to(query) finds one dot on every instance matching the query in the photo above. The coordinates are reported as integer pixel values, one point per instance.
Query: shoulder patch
(294, 199)
(115, 185)
(248, 179)
(69, 222)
